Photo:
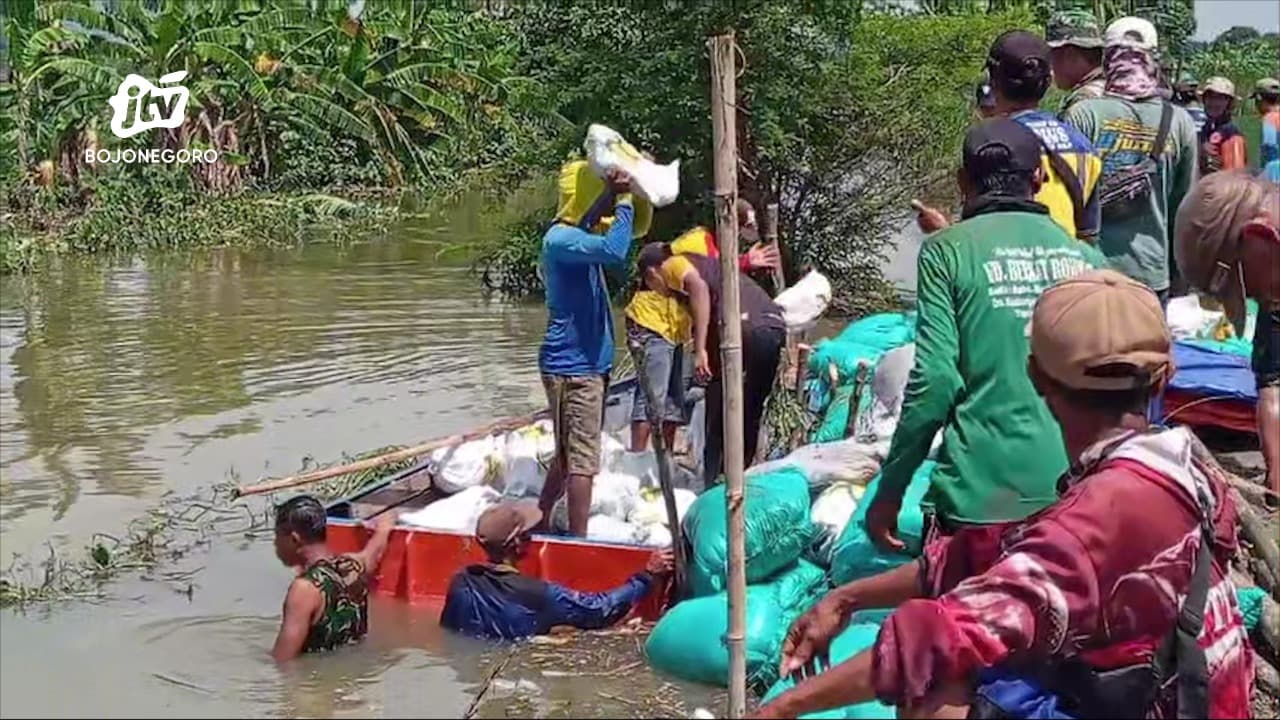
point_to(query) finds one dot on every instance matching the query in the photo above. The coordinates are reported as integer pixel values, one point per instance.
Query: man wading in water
(328, 603)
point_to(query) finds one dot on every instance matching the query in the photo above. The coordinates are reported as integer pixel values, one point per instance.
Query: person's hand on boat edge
(384, 522)
(929, 219)
(660, 562)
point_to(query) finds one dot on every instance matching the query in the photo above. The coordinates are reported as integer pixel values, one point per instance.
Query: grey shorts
(663, 371)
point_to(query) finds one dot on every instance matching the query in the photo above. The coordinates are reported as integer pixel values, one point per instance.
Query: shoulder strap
(1162, 135)
(1072, 183)
(1181, 658)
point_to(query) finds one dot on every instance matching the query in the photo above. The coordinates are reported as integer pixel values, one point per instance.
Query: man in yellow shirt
(658, 326)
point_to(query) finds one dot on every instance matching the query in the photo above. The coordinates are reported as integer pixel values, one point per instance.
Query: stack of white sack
(875, 425)
(624, 512)
(803, 303)
(607, 150)
(612, 494)
(456, 513)
(527, 454)
(650, 516)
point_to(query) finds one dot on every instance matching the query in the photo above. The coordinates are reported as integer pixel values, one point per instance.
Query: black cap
(1000, 145)
(1019, 63)
(652, 255)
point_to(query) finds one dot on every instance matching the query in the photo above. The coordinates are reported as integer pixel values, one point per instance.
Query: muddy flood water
(129, 385)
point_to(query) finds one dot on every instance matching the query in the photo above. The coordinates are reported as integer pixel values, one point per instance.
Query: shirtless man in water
(327, 604)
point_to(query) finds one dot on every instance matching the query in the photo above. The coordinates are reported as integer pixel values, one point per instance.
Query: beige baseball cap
(1219, 85)
(1101, 331)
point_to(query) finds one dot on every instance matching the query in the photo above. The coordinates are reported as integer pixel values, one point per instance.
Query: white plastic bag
(654, 535)
(612, 494)
(456, 513)
(643, 465)
(803, 303)
(527, 455)
(610, 529)
(478, 462)
(830, 513)
(611, 452)
(606, 149)
(651, 509)
(1188, 320)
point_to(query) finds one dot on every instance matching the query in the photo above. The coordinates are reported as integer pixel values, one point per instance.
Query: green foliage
(843, 117)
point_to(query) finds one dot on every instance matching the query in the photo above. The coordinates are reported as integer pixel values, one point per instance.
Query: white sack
(470, 464)
(825, 463)
(830, 513)
(651, 509)
(654, 535)
(606, 149)
(1188, 321)
(612, 494)
(527, 455)
(611, 529)
(803, 303)
(456, 513)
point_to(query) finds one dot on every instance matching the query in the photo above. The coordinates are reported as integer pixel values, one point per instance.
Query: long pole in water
(725, 145)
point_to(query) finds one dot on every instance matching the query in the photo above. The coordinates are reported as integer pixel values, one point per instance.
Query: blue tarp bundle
(1212, 374)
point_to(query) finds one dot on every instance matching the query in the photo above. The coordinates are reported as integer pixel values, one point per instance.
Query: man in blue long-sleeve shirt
(493, 600)
(577, 352)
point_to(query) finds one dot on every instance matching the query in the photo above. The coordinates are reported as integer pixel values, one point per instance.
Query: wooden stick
(771, 237)
(657, 431)
(724, 96)
(498, 426)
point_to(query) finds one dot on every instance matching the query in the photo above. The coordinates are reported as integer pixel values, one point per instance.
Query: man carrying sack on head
(595, 223)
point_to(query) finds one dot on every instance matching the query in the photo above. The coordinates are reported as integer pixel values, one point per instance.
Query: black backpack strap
(1162, 135)
(1181, 658)
(1072, 183)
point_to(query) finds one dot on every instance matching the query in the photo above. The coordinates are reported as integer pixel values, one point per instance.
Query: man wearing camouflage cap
(1075, 43)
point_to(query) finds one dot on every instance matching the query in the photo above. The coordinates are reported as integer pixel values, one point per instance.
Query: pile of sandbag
(837, 363)
(688, 641)
(626, 510)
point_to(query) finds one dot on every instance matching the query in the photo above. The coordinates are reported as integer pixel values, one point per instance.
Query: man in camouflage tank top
(327, 604)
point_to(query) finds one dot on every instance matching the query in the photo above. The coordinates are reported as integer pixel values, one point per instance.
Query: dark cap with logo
(1000, 146)
(1018, 62)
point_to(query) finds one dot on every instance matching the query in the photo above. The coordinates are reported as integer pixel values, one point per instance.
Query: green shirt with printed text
(1002, 451)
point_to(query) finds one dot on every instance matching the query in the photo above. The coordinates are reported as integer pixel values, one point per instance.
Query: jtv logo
(166, 106)
(146, 106)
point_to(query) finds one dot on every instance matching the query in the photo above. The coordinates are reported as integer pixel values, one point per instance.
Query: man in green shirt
(1075, 43)
(1148, 148)
(978, 280)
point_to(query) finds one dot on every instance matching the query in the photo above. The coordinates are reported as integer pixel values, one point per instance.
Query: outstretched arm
(592, 611)
(371, 555)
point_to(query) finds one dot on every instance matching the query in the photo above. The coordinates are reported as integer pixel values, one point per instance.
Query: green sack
(856, 556)
(688, 642)
(865, 339)
(776, 528)
(853, 640)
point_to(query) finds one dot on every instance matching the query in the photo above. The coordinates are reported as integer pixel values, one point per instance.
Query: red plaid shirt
(1098, 576)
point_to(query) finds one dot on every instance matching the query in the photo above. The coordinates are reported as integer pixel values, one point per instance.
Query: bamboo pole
(770, 233)
(662, 455)
(724, 145)
(497, 426)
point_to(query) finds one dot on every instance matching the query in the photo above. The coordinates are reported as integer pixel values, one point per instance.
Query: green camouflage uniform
(1079, 28)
